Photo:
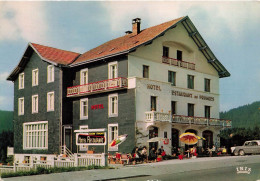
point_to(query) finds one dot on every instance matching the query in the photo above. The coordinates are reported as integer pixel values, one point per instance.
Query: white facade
(157, 85)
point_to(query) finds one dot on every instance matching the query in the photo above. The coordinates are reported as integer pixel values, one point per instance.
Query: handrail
(179, 63)
(66, 151)
(99, 86)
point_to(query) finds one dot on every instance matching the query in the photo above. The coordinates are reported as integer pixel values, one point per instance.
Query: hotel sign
(190, 95)
(154, 87)
(91, 138)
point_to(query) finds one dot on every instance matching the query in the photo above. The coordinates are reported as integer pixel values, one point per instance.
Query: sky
(231, 29)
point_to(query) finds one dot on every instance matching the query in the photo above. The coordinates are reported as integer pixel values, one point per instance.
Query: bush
(42, 170)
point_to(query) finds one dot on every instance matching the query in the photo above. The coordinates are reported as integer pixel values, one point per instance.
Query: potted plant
(91, 151)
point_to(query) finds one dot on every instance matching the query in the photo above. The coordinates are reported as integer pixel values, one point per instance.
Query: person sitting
(144, 154)
(193, 151)
(180, 153)
(152, 154)
(136, 154)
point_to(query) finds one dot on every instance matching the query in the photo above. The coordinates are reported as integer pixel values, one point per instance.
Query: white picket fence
(82, 160)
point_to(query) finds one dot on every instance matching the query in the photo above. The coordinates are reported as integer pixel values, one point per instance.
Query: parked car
(249, 147)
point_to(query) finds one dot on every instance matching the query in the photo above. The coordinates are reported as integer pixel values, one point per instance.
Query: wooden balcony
(178, 63)
(97, 87)
(152, 116)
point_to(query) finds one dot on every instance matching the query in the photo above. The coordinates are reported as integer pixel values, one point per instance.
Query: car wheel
(241, 153)
(235, 153)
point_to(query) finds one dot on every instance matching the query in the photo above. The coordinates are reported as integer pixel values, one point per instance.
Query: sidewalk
(149, 169)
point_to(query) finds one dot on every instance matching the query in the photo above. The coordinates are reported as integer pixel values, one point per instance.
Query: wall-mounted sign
(91, 138)
(190, 95)
(153, 87)
(98, 106)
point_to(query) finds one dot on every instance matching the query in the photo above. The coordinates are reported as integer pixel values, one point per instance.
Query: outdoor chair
(124, 157)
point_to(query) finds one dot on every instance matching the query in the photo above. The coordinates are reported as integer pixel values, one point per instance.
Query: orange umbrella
(189, 138)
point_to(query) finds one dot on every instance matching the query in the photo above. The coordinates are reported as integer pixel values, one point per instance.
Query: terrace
(152, 116)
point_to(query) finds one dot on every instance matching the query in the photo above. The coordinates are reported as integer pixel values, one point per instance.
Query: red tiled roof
(125, 43)
(55, 55)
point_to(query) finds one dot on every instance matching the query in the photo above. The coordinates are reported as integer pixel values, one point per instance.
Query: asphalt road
(216, 168)
(219, 174)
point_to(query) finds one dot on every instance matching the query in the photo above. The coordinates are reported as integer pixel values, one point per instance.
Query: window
(190, 81)
(153, 103)
(165, 51)
(191, 110)
(21, 81)
(172, 77)
(35, 135)
(35, 73)
(83, 147)
(83, 76)
(112, 70)
(145, 71)
(179, 55)
(21, 106)
(112, 134)
(35, 104)
(50, 101)
(84, 108)
(207, 85)
(50, 73)
(113, 105)
(173, 106)
(207, 111)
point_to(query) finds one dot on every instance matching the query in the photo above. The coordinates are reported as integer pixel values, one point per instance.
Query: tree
(6, 139)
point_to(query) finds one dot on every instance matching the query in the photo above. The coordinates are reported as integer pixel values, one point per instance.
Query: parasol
(120, 139)
(189, 138)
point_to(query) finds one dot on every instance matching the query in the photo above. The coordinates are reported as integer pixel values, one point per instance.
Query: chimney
(136, 25)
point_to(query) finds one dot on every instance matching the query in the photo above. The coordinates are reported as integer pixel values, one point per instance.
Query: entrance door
(67, 135)
(208, 135)
(175, 140)
(153, 132)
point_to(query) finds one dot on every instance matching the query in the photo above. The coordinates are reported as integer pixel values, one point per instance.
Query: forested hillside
(247, 116)
(6, 120)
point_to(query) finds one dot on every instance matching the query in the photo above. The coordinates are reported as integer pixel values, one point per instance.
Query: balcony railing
(200, 121)
(97, 87)
(158, 116)
(178, 63)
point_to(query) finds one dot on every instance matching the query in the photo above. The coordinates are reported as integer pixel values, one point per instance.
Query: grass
(41, 170)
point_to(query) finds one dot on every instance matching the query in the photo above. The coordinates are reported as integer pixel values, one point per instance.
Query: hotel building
(157, 82)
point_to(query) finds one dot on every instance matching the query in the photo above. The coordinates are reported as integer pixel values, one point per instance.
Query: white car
(249, 147)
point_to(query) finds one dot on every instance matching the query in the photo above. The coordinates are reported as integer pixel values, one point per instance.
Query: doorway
(67, 136)
(175, 140)
(153, 132)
